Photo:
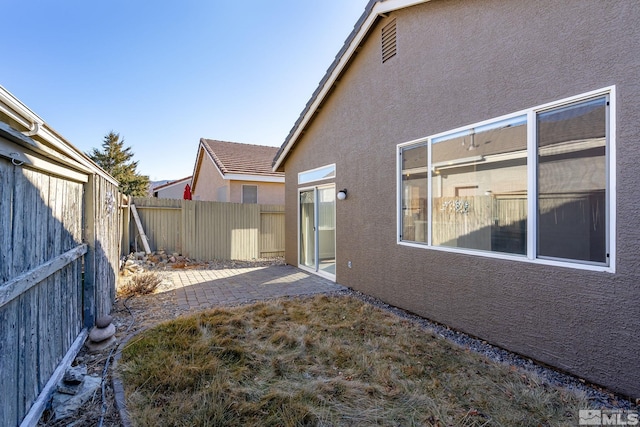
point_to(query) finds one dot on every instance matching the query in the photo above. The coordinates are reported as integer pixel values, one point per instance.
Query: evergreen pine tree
(117, 161)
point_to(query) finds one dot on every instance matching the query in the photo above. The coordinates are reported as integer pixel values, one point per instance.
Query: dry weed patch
(140, 284)
(325, 361)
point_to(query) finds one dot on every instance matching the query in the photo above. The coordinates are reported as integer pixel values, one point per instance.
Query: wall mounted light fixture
(342, 194)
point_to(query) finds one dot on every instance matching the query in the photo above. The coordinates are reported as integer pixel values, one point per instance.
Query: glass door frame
(316, 268)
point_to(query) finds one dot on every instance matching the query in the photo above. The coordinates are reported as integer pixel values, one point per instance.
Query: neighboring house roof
(373, 10)
(236, 161)
(172, 183)
(236, 158)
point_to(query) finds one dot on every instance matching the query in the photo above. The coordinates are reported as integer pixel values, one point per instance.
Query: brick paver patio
(202, 289)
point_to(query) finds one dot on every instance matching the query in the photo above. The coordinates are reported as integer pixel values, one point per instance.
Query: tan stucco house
(476, 163)
(238, 173)
(172, 189)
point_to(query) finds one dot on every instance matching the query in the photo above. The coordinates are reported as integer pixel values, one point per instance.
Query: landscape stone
(74, 374)
(101, 334)
(95, 347)
(104, 321)
(71, 389)
(65, 405)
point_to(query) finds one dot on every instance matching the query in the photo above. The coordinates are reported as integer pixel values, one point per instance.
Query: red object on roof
(187, 192)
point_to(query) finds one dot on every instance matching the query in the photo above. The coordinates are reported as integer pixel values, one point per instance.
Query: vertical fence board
(107, 223)
(189, 229)
(6, 217)
(9, 372)
(89, 284)
(56, 296)
(18, 239)
(29, 386)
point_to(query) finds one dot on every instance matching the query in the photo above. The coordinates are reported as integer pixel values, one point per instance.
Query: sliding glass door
(317, 232)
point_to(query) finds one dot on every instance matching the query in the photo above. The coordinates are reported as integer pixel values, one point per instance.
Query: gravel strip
(548, 375)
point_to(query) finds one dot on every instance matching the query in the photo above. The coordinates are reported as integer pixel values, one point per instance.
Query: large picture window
(534, 185)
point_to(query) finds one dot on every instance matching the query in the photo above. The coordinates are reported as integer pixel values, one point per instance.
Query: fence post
(89, 282)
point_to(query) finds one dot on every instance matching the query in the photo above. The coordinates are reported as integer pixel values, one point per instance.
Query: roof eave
(238, 176)
(373, 10)
(172, 183)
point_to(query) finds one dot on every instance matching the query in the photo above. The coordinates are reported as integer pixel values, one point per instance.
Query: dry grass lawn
(325, 361)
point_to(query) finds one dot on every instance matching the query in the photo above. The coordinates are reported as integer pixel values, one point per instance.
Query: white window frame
(532, 168)
(302, 180)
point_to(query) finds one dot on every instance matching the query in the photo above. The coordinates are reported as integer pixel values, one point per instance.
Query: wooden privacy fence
(59, 250)
(209, 230)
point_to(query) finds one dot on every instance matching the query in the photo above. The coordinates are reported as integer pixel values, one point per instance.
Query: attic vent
(389, 41)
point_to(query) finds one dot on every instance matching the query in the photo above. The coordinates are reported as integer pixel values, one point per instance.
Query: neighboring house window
(249, 194)
(318, 174)
(535, 185)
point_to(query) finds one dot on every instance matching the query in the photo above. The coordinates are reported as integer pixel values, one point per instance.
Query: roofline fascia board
(257, 178)
(379, 8)
(196, 169)
(171, 184)
(37, 126)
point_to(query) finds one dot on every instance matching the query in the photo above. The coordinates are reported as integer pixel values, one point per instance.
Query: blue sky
(165, 73)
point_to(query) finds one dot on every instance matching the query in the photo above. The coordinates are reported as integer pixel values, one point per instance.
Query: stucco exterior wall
(211, 186)
(461, 62)
(269, 193)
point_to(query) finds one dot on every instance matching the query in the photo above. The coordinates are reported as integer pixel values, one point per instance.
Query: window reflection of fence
(573, 226)
(570, 226)
(482, 222)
